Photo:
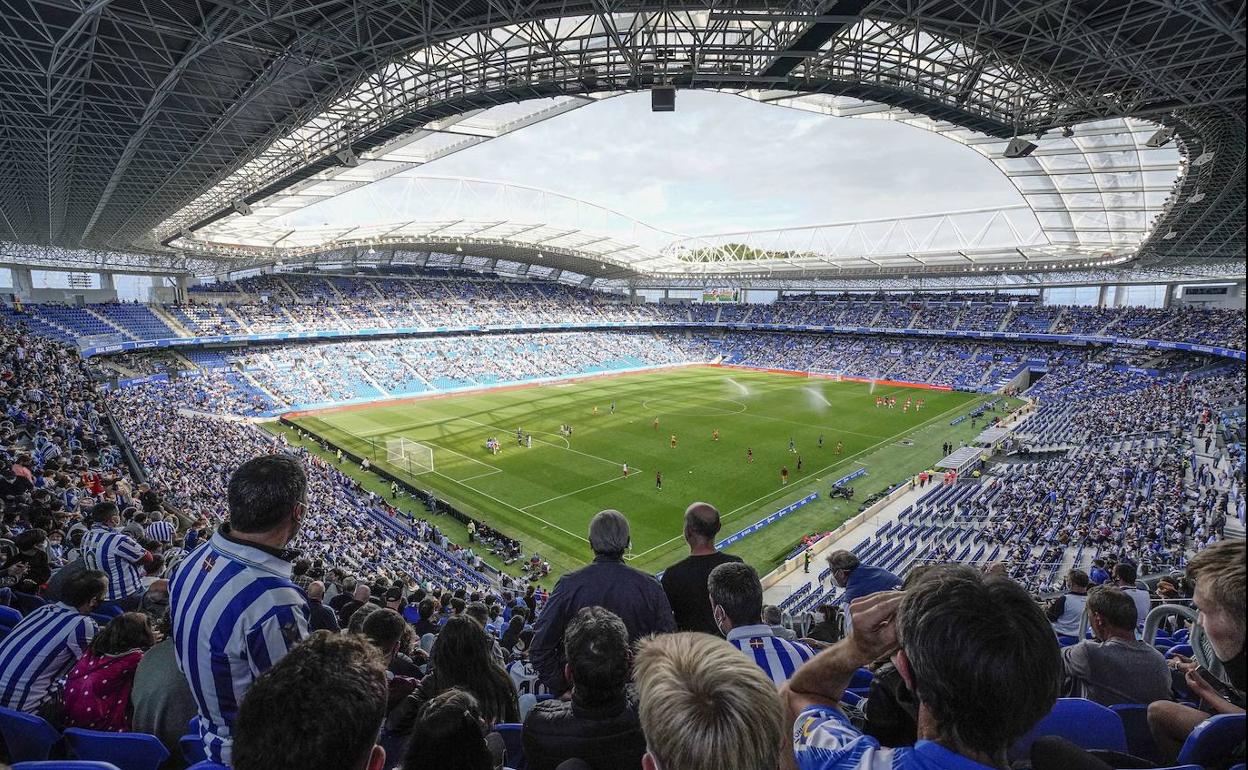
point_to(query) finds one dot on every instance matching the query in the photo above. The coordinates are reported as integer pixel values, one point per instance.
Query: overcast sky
(718, 163)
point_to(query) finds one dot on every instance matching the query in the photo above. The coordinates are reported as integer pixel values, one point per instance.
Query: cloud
(720, 163)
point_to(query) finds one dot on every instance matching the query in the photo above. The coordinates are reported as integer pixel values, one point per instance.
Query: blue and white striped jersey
(778, 658)
(39, 650)
(117, 555)
(161, 531)
(235, 613)
(824, 739)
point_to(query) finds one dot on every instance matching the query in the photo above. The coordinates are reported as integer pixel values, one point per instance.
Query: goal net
(409, 455)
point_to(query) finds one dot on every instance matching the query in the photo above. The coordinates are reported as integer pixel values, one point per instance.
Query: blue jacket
(635, 596)
(866, 580)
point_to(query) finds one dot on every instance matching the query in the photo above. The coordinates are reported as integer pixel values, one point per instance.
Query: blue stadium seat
(1082, 722)
(206, 765)
(1134, 718)
(1213, 740)
(192, 747)
(129, 751)
(513, 739)
(9, 617)
(109, 610)
(65, 764)
(1180, 649)
(26, 736)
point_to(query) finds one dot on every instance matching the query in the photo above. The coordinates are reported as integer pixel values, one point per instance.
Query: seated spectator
(319, 708)
(480, 613)
(97, 690)
(705, 707)
(384, 628)
(737, 605)
(1125, 575)
(355, 623)
(450, 734)
(46, 644)
(320, 617)
(828, 629)
(1065, 613)
(636, 597)
(359, 598)
(117, 555)
(599, 724)
(160, 699)
(427, 624)
(1115, 667)
(953, 621)
(30, 552)
(461, 658)
(774, 617)
(858, 579)
(1220, 580)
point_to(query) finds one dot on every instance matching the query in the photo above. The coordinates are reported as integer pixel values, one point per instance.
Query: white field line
(776, 493)
(616, 463)
(621, 477)
(506, 504)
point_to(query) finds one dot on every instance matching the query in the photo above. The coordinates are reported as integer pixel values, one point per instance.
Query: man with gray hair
(607, 582)
(685, 581)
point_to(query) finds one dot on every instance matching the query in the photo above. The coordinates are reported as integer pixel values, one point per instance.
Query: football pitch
(545, 494)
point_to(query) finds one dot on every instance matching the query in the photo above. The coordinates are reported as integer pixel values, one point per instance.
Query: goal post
(409, 455)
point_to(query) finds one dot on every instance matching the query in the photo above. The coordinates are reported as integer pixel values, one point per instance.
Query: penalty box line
(844, 460)
(506, 504)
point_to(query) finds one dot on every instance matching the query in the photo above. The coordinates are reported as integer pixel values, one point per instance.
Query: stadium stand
(1112, 466)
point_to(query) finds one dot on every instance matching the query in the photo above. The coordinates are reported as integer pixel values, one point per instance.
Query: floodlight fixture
(1019, 148)
(1161, 137)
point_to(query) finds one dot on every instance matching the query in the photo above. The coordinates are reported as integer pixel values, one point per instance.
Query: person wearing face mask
(56, 551)
(737, 606)
(241, 581)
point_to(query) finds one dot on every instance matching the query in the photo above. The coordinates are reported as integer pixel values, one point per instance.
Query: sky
(719, 163)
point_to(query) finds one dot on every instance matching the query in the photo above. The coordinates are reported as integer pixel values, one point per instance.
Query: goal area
(409, 455)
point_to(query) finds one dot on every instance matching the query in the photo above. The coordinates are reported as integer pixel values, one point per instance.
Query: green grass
(546, 495)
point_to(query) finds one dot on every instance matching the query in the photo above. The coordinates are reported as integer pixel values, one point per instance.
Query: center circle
(680, 408)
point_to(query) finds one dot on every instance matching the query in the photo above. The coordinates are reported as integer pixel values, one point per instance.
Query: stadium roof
(130, 124)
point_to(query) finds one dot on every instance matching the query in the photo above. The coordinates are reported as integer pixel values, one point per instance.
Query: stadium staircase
(116, 327)
(138, 321)
(253, 385)
(37, 324)
(179, 329)
(366, 377)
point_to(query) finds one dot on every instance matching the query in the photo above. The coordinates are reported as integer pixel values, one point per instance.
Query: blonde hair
(702, 700)
(1223, 565)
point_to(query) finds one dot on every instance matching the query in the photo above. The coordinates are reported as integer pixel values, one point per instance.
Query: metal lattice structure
(127, 123)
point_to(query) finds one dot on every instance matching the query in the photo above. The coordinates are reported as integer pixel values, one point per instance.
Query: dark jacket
(321, 618)
(609, 583)
(606, 737)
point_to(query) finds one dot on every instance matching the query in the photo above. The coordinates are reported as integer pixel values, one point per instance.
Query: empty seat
(129, 751)
(513, 739)
(1213, 740)
(66, 764)
(26, 736)
(1082, 722)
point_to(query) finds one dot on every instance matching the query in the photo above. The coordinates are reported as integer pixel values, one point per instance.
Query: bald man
(322, 618)
(685, 581)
